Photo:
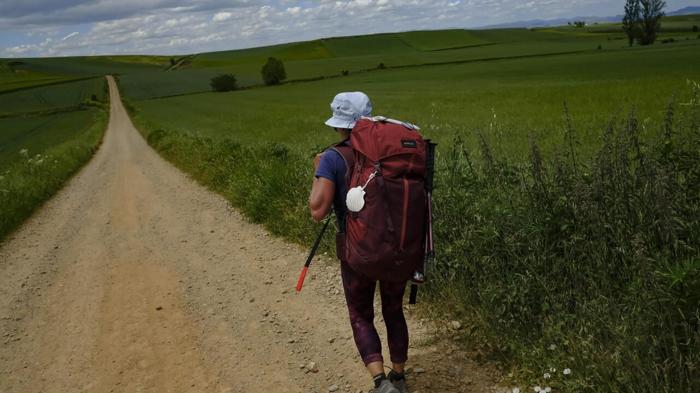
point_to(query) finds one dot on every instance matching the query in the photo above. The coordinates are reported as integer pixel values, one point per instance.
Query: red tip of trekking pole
(300, 283)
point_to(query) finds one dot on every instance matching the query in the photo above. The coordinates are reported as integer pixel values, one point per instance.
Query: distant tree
(273, 72)
(345, 72)
(695, 28)
(381, 66)
(172, 61)
(579, 24)
(224, 82)
(651, 13)
(631, 22)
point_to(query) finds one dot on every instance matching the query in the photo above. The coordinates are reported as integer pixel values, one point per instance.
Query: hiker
(330, 188)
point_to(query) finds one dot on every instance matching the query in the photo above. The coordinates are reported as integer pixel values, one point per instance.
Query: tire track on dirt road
(134, 278)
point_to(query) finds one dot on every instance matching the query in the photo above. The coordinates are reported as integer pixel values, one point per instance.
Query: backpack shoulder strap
(346, 152)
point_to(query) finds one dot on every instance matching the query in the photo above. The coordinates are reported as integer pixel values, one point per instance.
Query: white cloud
(221, 16)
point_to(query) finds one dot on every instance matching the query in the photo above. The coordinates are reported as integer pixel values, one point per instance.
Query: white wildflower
(516, 390)
(547, 375)
(567, 371)
(552, 370)
(547, 389)
(39, 162)
(537, 389)
(553, 347)
(24, 153)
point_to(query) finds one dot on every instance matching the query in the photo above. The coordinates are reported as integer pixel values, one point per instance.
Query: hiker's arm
(321, 198)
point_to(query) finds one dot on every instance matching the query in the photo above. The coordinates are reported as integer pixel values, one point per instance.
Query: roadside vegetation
(48, 133)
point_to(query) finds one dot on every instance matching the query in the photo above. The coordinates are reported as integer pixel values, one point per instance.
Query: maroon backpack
(385, 239)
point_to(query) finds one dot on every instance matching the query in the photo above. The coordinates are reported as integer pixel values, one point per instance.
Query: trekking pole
(419, 277)
(300, 283)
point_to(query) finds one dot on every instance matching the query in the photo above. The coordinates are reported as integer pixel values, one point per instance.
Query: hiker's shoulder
(331, 159)
(343, 150)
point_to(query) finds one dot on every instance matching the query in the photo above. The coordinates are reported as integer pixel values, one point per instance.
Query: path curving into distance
(134, 278)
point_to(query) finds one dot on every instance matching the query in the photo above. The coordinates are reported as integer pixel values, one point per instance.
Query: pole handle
(414, 294)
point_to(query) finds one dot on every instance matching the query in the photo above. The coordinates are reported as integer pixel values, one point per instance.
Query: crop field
(12, 79)
(331, 57)
(51, 97)
(525, 95)
(36, 134)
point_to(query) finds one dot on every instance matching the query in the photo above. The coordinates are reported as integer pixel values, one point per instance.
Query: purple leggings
(359, 294)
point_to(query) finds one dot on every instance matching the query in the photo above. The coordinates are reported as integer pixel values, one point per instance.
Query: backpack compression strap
(348, 156)
(346, 152)
(383, 119)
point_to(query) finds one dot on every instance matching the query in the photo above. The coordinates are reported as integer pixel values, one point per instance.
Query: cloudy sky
(89, 27)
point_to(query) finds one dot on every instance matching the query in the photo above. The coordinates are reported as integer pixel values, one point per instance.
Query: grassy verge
(586, 264)
(589, 265)
(30, 180)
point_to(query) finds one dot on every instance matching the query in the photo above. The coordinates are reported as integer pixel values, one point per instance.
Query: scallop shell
(355, 199)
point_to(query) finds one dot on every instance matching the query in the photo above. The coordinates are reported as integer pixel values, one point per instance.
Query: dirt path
(135, 279)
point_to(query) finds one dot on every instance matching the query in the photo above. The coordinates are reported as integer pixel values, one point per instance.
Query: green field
(454, 99)
(576, 229)
(38, 133)
(51, 97)
(330, 57)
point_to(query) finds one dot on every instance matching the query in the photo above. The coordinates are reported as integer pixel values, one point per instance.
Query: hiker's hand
(317, 160)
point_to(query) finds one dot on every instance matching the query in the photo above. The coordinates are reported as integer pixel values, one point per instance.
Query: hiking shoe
(386, 387)
(399, 381)
(400, 386)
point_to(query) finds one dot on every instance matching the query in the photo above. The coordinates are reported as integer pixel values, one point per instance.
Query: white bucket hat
(348, 108)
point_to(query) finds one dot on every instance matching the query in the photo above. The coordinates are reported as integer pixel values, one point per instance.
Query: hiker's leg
(396, 328)
(359, 295)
